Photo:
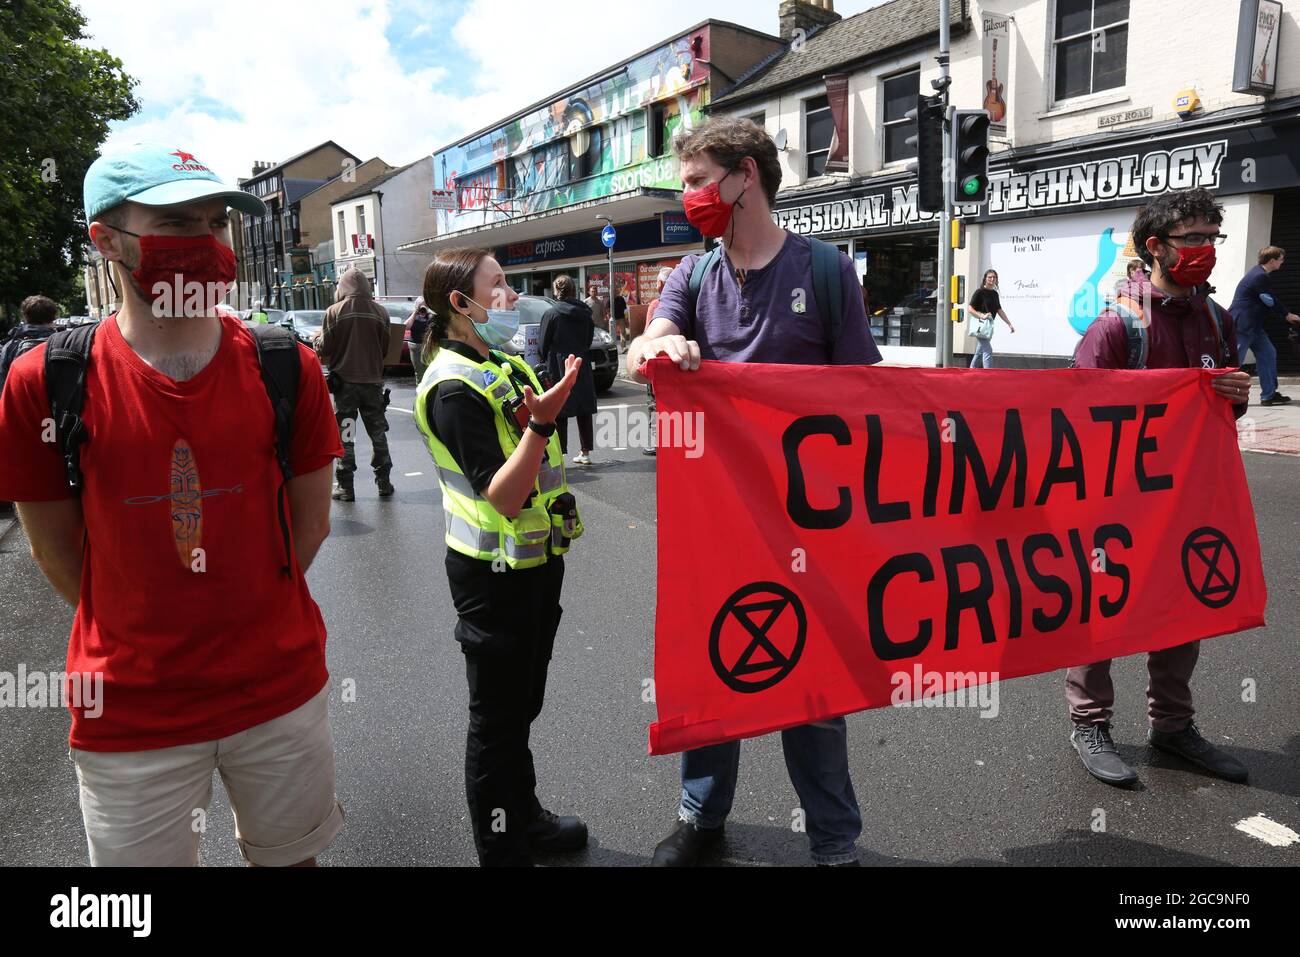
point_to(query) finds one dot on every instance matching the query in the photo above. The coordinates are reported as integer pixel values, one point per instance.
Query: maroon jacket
(1181, 333)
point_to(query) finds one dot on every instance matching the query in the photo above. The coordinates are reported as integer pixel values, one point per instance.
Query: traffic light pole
(943, 318)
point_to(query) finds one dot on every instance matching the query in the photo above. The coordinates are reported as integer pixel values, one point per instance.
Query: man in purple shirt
(756, 304)
(1175, 234)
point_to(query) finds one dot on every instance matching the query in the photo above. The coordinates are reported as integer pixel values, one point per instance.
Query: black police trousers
(506, 625)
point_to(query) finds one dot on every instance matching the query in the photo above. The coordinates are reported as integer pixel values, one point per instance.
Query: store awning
(626, 207)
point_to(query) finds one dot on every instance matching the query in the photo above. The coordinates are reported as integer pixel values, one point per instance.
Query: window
(817, 129)
(759, 118)
(361, 220)
(658, 130)
(1089, 46)
(898, 94)
(343, 234)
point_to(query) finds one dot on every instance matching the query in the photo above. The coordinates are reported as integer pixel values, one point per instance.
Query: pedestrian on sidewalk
(183, 544)
(1175, 234)
(417, 325)
(661, 280)
(38, 314)
(510, 519)
(566, 329)
(985, 305)
(1253, 304)
(742, 310)
(596, 305)
(354, 341)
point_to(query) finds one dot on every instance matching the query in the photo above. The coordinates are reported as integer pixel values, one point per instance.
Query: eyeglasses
(1199, 239)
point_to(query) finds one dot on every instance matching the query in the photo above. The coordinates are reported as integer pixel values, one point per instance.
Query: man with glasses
(1176, 236)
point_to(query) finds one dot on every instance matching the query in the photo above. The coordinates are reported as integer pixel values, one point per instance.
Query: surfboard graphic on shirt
(1089, 300)
(186, 502)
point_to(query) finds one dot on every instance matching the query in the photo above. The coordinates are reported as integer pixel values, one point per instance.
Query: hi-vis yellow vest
(474, 527)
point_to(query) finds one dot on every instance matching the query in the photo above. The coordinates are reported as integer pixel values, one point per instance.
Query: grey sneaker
(1099, 755)
(1191, 746)
(343, 493)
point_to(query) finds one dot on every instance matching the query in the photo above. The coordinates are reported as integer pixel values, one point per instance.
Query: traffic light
(958, 238)
(970, 151)
(928, 140)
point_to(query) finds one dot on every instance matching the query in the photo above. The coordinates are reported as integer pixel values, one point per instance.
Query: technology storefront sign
(1263, 158)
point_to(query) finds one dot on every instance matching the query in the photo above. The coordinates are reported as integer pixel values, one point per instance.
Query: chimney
(805, 15)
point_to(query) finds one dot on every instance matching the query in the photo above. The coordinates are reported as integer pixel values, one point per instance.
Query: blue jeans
(1265, 358)
(983, 354)
(817, 757)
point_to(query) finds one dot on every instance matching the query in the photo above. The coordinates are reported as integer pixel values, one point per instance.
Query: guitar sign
(993, 98)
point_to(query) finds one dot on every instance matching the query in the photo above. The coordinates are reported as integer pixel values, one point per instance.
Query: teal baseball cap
(158, 176)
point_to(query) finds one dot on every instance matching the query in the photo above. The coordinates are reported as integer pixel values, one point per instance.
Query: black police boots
(551, 833)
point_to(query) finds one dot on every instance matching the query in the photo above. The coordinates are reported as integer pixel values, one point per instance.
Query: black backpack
(20, 341)
(67, 355)
(826, 286)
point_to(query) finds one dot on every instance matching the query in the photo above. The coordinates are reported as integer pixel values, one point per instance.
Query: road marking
(412, 474)
(1270, 832)
(400, 409)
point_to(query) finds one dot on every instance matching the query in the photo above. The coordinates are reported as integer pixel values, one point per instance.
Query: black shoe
(1189, 745)
(1097, 750)
(343, 493)
(555, 834)
(385, 487)
(649, 450)
(682, 847)
(1277, 398)
(854, 863)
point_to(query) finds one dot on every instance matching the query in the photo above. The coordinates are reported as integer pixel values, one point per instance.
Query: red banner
(826, 530)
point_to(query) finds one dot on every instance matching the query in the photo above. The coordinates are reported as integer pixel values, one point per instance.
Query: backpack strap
(67, 354)
(1136, 323)
(827, 290)
(698, 272)
(277, 354)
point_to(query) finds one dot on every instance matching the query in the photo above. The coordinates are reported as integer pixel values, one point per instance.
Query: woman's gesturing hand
(545, 407)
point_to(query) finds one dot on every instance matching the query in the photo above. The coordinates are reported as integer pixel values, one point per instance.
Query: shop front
(641, 250)
(1057, 226)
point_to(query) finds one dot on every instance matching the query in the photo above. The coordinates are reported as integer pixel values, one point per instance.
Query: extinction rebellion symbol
(1210, 567)
(757, 636)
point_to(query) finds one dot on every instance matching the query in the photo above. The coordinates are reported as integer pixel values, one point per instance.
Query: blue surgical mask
(501, 325)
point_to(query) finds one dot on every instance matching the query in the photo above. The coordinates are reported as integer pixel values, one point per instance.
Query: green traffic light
(971, 185)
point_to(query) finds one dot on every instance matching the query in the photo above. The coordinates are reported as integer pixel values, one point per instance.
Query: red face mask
(706, 210)
(1195, 263)
(178, 273)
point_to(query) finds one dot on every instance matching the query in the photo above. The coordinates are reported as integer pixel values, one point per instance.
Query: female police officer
(510, 518)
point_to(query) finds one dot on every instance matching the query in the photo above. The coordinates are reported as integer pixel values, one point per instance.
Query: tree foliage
(58, 97)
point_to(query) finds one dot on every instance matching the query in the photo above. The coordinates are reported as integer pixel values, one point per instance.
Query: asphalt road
(937, 786)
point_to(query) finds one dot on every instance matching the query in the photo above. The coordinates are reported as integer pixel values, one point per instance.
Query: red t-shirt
(172, 468)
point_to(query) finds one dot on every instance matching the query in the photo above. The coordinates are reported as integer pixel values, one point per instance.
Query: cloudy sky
(244, 80)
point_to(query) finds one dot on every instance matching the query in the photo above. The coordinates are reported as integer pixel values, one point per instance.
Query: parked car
(305, 324)
(274, 317)
(602, 356)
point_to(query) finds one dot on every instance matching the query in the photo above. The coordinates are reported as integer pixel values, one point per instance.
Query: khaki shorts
(149, 808)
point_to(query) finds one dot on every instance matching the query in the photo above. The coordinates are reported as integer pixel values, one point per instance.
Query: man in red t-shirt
(193, 613)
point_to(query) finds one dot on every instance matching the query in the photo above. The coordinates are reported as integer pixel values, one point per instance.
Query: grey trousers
(1091, 695)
